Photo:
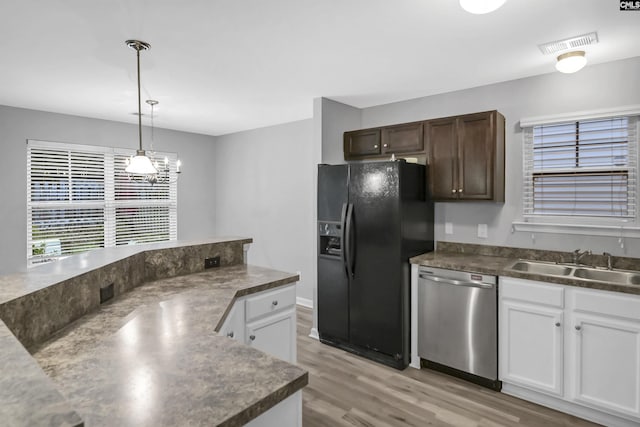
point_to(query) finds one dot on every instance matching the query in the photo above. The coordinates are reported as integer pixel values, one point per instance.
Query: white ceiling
(221, 66)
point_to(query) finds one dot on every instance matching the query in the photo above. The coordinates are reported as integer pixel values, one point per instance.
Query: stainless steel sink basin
(544, 268)
(615, 276)
(539, 267)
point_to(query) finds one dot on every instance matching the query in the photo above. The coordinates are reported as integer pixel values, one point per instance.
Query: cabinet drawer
(270, 302)
(607, 303)
(532, 292)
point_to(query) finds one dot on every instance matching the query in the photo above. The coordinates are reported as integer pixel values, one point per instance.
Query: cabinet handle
(460, 190)
(375, 146)
(454, 191)
(230, 334)
(558, 324)
(252, 337)
(385, 145)
(275, 302)
(578, 327)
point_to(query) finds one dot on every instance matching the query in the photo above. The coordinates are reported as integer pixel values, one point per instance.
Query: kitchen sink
(544, 268)
(539, 267)
(615, 276)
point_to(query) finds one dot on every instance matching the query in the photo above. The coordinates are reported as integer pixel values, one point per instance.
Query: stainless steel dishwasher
(458, 324)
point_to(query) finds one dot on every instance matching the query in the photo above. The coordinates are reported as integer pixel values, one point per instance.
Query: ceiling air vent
(568, 44)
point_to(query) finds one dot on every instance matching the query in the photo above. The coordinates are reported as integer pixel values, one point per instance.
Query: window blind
(79, 197)
(582, 168)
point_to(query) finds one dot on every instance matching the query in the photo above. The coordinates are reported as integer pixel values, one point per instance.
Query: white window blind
(584, 168)
(79, 198)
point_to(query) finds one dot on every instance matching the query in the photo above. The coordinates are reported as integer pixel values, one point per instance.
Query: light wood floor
(347, 390)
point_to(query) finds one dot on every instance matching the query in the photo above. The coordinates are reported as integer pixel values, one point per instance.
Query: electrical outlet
(482, 231)
(106, 292)
(448, 228)
(212, 262)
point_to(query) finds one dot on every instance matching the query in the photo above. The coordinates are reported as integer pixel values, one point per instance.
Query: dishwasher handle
(468, 283)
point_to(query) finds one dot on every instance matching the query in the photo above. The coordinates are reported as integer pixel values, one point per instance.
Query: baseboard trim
(567, 407)
(314, 334)
(305, 302)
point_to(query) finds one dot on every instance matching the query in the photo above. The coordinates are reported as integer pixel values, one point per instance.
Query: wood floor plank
(346, 390)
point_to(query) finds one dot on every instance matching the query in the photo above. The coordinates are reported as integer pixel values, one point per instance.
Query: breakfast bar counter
(152, 356)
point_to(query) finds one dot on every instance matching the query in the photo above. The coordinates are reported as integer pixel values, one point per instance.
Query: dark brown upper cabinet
(361, 143)
(405, 138)
(465, 155)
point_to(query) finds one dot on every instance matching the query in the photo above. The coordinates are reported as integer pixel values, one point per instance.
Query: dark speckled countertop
(153, 356)
(481, 259)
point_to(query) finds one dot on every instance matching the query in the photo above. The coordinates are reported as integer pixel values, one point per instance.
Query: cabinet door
(476, 153)
(606, 372)
(531, 346)
(442, 158)
(361, 143)
(275, 335)
(233, 326)
(406, 138)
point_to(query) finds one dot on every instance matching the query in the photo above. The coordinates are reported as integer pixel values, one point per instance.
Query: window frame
(581, 164)
(619, 227)
(165, 197)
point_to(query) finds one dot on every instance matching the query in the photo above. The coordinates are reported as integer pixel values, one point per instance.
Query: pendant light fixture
(139, 164)
(480, 7)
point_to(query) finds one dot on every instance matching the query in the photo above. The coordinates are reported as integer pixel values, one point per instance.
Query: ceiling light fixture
(139, 164)
(571, 62)
(479, 7)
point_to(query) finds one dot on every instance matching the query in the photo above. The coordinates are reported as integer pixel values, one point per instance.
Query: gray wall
(599, 86)
(264, 180)
(336, 118)
(195, 192)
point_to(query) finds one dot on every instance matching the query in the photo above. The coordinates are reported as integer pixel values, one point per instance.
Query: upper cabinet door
(442, 158)
(361, 143)
(471, 148)
(405, 138)
(476, 153)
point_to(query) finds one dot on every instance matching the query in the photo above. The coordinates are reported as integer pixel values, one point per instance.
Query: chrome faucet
(609, 263)
(578, 255)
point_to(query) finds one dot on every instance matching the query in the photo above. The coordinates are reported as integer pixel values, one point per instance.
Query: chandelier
(162, 175)
(140, 166)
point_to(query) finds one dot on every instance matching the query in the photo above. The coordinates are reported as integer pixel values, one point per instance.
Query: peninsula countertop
(154, 357)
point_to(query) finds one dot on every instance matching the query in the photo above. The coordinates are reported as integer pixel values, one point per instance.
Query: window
(79, 197)
(584, 168)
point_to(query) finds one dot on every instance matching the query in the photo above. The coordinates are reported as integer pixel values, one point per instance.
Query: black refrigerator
(372, 217)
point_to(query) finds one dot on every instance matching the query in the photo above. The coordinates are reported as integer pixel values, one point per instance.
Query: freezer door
(332, 191)
(333, 284)
(377, 292)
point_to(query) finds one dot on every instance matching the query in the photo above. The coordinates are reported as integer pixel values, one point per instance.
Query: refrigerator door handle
(349, 248)
(343, 237)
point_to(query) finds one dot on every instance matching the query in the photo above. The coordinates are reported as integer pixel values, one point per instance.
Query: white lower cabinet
(269, 335)
(605, 342)
(574, 349)
(267, 321)
(287, 413)
(531, 346)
